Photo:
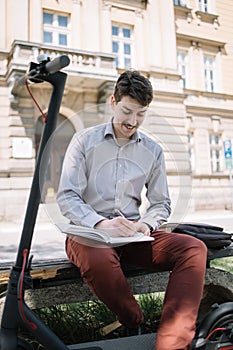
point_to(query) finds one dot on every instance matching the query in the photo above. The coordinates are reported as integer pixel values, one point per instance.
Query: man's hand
(121, 227)
(142, 227)
(117, 227)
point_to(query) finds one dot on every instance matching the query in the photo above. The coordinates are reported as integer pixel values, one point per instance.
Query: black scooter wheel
(221, 316)
(225, 321)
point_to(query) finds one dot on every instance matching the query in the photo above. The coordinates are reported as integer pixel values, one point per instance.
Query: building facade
(185, 48)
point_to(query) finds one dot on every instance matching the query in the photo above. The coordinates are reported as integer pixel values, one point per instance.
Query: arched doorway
(61, 139)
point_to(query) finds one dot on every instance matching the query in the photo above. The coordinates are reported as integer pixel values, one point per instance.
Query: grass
(225, 264)
(82, 322)
(151, 304)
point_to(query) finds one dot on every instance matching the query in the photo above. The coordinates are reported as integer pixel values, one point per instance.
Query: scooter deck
(138, 342)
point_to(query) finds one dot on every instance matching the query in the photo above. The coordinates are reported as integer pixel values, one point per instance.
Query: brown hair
(135, 85)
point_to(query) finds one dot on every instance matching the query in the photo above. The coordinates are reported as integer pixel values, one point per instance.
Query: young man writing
(105, 170)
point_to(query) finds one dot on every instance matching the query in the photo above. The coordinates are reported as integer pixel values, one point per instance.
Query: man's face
(128, 115)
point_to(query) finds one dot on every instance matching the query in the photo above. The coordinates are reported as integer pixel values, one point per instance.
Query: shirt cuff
(155, 226)
(89, 220)
(150, 227)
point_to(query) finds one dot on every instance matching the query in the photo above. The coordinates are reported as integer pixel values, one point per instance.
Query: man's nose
(133, 119)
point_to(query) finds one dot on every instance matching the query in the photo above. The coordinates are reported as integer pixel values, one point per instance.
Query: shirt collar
(109, 131)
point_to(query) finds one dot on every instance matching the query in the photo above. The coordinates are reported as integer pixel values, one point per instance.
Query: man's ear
(112, 102)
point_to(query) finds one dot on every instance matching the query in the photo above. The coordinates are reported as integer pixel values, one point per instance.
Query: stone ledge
(59, 282)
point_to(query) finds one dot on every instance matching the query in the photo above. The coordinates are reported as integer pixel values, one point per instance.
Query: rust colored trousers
(184, 256)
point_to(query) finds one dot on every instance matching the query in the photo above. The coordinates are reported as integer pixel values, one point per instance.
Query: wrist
(150, 227)
(100, 223)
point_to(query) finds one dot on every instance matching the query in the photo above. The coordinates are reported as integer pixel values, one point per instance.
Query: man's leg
(183, 294)
(185, 257)
(101, 270)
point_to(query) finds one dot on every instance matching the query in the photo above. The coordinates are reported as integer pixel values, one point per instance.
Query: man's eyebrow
(144, 109)
(127, 108)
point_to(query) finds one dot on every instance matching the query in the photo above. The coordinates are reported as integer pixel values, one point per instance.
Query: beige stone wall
(160, 30)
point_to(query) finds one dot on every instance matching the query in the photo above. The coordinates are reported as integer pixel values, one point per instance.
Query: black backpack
(213, 236)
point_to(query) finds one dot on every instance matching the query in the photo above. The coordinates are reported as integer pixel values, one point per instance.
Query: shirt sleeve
(157, 194)
(72, 185)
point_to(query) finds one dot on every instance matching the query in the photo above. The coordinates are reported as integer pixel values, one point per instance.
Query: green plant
(82, 322)
(225, 264)
(77, 322)
(151, 305)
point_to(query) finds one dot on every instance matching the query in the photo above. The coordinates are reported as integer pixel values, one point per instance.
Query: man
(105, 170)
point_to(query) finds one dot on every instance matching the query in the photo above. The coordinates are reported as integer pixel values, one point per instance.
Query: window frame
(182, 62)
(191, 152)
(216, 152)
(55, 29)
(206, 6)
(209, 63)
(183, 3)
(121, 41)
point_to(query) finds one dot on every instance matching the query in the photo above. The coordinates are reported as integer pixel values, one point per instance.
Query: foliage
(151, 304)
(82, 322)
(225, 264)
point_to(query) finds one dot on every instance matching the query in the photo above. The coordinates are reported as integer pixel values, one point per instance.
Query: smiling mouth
(129, 126)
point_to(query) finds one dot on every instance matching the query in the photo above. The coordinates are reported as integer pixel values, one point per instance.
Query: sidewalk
(48, 242)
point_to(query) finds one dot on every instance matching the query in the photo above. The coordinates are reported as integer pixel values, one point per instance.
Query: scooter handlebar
(49, 67)
(57, 64)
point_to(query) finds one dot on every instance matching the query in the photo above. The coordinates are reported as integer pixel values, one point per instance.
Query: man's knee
(195, 244)
(197, 254)
(200, 248)
(192, 251)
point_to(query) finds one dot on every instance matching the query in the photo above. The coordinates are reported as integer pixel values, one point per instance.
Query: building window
(204, 5)
(216, 152)
(182, 68)
(180, 3)
(191, 150)
(122, 43)
(209, 71)
(55, 29)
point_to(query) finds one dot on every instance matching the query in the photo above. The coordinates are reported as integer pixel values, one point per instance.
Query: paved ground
(48, 242)
(144, 341)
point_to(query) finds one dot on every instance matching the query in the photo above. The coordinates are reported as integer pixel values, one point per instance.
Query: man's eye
(127, 112)
(141, 114)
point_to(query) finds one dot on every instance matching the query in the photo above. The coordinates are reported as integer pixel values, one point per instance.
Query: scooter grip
(50, 67)
(57, 63)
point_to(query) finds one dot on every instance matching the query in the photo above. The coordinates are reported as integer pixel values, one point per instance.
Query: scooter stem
(58, 80)
(12, 318)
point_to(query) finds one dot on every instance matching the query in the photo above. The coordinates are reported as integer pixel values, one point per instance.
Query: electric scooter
(16, 313)
(215, 332)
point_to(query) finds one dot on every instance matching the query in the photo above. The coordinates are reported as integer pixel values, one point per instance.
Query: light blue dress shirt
(100, 176)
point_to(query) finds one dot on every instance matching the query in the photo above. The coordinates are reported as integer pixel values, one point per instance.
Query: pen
(117, 211)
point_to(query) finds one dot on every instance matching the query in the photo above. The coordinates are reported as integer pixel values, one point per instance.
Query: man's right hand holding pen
(122, 227)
